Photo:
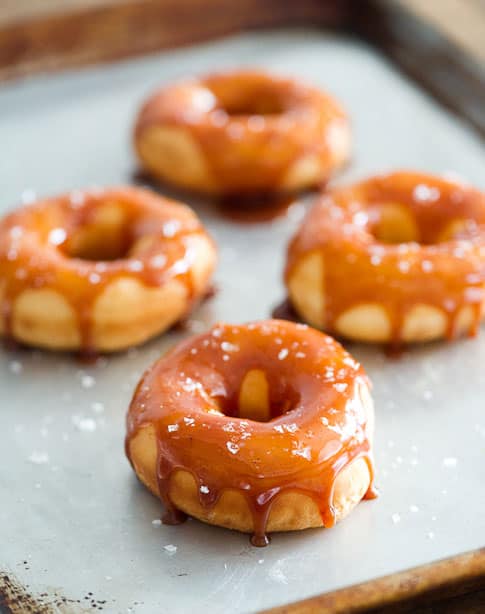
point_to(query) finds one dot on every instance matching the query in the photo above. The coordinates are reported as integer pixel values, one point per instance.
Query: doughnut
(100, 270)
(397, 258)
(259, 427)
(241, 132)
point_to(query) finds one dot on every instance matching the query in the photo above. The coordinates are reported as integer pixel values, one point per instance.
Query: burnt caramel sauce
(39, 249)
(251, 128)
(448, 275)
(190, 397)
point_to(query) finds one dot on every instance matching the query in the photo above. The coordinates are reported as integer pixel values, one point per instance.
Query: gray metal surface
(69, 504)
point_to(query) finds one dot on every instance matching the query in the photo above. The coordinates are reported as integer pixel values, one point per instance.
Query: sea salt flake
(170, 549)
(427, 266)
(87, 381)
(28, 196)
(16, 367)
(87, 425)
(396, 518)
(57, 236)
(303, 452)
(158, 261)
(135, 265)
(450, 461)
(97, 407)
(414, 509)
(156, 522)
(424, 193)
(430, 535)
(232, 447)
(171, 428)
(229, 347)
(171, 228)
(39, 458)
(300, 355)
(204, 489)
(282, 354)
(473, 295)
(340, 387)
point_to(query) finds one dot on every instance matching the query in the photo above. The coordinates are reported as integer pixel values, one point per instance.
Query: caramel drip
(190, 398)
(446, 274)
(152, 245)
(250, 127)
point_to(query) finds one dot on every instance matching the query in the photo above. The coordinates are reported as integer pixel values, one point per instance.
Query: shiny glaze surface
(446, 274)
(152, 245)
(317, 422)
(250, 126)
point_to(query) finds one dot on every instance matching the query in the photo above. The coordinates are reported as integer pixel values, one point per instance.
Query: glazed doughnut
(100, 270)
(259, 427)
(242, 132)
(396, 258)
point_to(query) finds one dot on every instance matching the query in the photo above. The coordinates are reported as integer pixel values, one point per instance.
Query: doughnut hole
(103, 238)
(254, 396)
(306, 288)
(395, 223)
(246, 98)
(171, 153)
(365, 322)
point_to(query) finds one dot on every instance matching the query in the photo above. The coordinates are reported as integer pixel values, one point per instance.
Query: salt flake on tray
(39, 458)
(16, 367)
(86, 425)
(450, 461)
(170, 549)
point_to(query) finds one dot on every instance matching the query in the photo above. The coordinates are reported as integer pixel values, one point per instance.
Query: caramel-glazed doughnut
(100, 270)
(242, 132)
(259, 427)
(396, 258)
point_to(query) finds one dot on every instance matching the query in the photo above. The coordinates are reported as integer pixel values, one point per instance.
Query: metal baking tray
(77, 531)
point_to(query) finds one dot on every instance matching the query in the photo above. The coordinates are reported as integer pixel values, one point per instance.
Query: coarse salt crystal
(39, 458)
(171, 428)
(282, 354)
(450, 461)
(204, 489)
(396, 518)
(16, 367)
(232, 447)
(170, 549)
(157, 522)
(87, 381)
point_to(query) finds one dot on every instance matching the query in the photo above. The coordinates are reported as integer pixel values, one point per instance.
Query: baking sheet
(72, 516)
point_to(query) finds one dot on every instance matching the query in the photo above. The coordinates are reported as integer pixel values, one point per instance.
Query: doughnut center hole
(393, 223)
(255, 400)
(249, 101)
(106, 236)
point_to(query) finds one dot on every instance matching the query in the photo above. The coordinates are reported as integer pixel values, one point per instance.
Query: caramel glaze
(447, 275)
(317, 425)
(250, 126)
(152, 245)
